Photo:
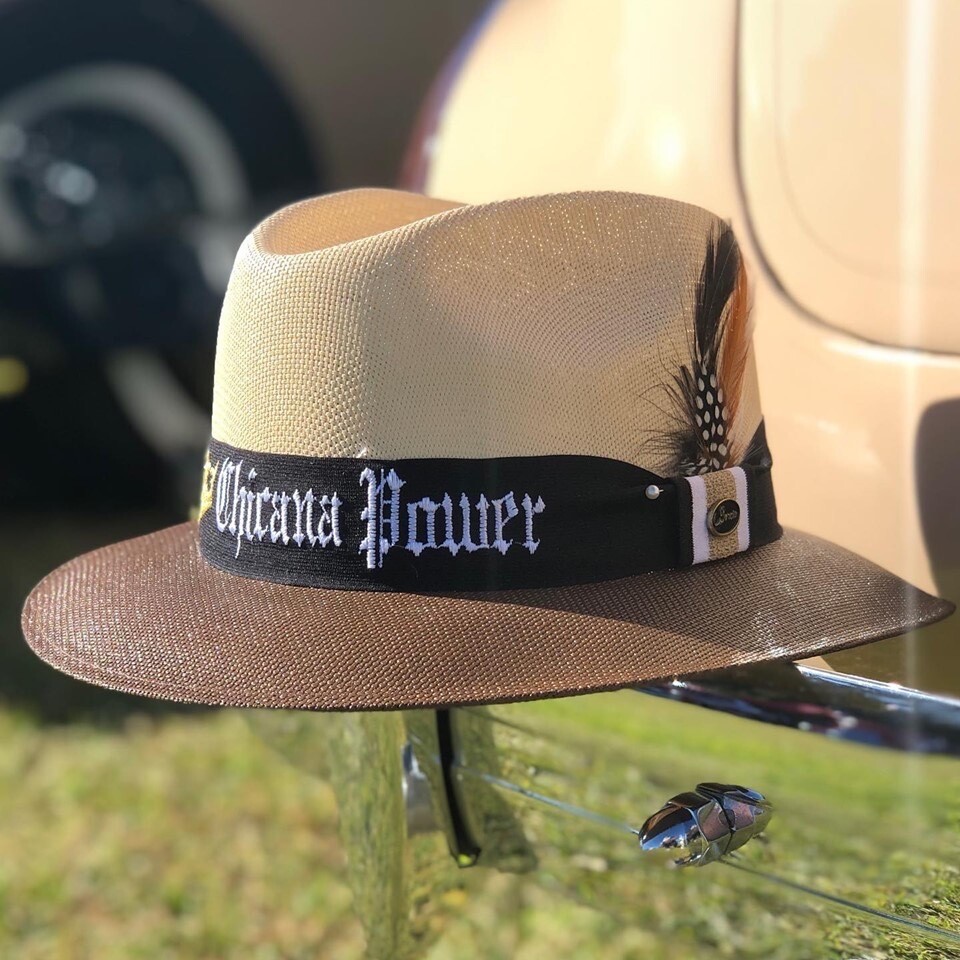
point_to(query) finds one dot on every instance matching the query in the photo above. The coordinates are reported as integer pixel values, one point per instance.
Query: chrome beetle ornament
(706, 824)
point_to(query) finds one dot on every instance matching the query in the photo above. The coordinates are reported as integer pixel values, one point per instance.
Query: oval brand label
(723, 518)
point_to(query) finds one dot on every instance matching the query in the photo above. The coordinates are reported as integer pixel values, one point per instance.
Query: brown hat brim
(149, 616)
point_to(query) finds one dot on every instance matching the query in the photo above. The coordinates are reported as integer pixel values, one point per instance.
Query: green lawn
(185, 836)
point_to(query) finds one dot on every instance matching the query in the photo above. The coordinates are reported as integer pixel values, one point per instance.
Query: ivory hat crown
(383, 324)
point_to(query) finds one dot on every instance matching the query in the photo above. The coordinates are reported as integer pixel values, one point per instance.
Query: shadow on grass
(33, 547)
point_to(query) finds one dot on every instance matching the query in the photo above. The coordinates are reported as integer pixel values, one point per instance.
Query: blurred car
(139, 142)
(827, 134)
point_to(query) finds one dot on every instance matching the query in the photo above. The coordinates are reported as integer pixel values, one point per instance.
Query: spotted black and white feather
(706, 390)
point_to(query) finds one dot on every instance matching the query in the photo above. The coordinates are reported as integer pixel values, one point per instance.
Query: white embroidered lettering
(240, 509)
(315, 520)
(263, 497)
(236, 497)
(465, 540)
(529, 509)
(249, 496)
(223, 484)
(284, 503)
(483, 505)
(375, 544)
(500, 521)
(448, 542)
(275, 517)
(298, 503)
(308, 502)
(328, 527)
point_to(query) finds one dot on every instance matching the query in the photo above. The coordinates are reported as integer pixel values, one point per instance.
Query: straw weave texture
(150, 617)
(384, 324)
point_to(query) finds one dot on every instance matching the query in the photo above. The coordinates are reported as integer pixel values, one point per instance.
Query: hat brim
(148, 616)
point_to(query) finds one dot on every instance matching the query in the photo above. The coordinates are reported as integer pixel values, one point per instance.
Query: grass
(175, 838)
(187, 837)
(876, 827)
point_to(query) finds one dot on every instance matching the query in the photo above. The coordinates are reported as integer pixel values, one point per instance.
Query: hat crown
(384, 324)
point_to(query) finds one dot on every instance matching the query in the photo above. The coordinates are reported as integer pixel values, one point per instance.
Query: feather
(734, 358)
(706, 391)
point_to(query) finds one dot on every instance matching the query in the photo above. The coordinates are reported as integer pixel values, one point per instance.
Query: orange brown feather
(734, 354)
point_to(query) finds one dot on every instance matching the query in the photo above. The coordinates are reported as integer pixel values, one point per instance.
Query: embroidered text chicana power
(312, 520)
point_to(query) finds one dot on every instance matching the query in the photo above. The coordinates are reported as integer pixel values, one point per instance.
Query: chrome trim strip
(831, 704)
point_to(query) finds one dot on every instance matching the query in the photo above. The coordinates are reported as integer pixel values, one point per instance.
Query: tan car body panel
(649, 96)
(849, 147)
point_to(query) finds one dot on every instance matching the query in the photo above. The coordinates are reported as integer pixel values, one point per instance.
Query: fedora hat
(464, 454)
